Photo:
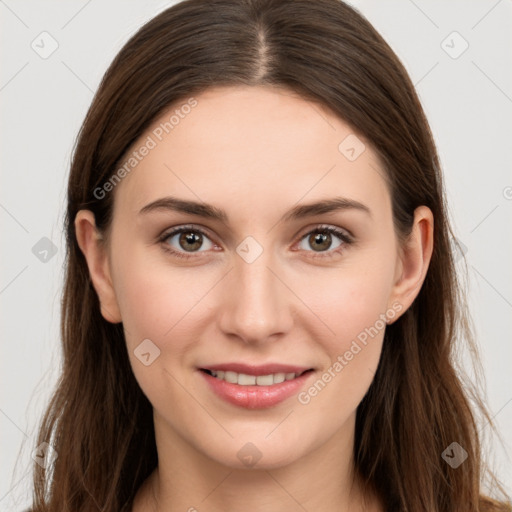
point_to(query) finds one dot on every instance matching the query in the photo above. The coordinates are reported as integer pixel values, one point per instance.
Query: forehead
(252, 146)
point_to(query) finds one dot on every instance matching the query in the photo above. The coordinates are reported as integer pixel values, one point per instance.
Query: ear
(414, 259)
(93, 247)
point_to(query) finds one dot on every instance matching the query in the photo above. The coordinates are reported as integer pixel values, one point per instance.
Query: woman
(260, 305)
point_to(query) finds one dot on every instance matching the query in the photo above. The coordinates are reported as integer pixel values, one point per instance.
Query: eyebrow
(212, 212)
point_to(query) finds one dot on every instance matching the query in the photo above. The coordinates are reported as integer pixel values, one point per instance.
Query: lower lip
(255, 397)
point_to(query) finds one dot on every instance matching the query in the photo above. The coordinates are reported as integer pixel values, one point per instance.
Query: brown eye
(187, 240)
(320, 241)
(325, 239)
(190, 241)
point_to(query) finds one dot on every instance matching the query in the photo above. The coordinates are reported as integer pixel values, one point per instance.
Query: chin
(255, 456)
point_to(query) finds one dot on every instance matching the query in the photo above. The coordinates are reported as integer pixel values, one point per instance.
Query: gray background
(467, 98)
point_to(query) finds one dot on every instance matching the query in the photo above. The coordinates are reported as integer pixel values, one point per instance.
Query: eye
(186, 240)
(321, 240)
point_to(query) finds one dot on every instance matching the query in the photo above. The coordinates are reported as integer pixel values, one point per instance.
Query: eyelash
(342, 235)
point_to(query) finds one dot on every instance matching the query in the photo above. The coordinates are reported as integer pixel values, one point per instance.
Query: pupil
(322, 237)
(193, 239)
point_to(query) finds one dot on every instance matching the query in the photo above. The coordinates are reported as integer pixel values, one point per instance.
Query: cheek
(159, 301)
(157, 304)
(351, 300)
(353, 305)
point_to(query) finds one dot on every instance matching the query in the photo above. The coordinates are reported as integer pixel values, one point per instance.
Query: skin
(255, 152)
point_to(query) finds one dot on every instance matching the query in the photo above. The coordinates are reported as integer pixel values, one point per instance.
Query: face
(263, 284)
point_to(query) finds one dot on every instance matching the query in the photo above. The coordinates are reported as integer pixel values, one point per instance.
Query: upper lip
(256, 370)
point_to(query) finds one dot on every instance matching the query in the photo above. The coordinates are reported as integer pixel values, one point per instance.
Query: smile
(244, 379)
(255, 387)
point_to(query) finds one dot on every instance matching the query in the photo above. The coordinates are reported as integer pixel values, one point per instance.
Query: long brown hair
(99, 421)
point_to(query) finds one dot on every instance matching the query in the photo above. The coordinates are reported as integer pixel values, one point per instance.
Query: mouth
(246, 379)
(255, 387)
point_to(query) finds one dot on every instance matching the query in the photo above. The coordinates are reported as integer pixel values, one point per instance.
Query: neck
(187, 480)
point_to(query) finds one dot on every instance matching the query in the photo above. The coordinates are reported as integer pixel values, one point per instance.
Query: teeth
(279, 377)
(243, 379)
(264, 380)
(230, 377)
(246, 380)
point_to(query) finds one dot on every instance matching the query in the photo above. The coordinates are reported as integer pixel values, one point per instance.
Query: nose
(257, 306)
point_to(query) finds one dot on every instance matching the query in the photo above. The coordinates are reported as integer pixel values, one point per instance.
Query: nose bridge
(257, 304)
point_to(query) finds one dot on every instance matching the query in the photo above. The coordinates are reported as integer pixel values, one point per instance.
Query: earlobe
(92, 245)
(414, 260)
